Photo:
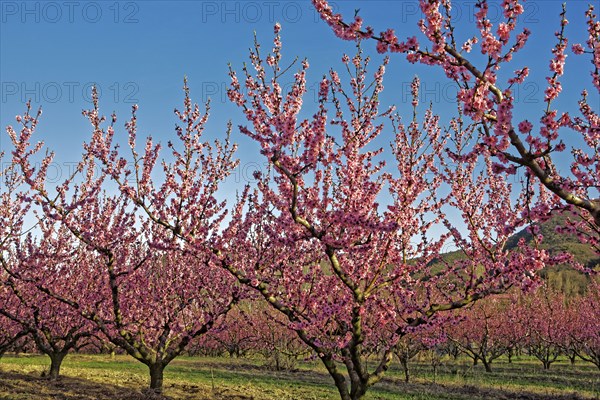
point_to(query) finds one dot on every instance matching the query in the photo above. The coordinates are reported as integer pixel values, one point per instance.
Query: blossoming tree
(479, 334)
(130, 276)
(343, 260)
(486, 95)
(12, 211)
(587, 336)
(55, 327)
(342, 237)
(545, 319)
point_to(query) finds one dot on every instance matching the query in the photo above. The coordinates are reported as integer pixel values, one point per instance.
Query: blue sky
(139, 51)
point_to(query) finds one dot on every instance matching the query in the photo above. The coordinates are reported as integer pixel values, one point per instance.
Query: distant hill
(556, 242)
(561, 277)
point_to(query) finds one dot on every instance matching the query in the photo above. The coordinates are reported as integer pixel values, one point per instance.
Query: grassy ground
(197, 378)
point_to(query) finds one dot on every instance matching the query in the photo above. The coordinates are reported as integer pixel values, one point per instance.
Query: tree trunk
(546, 364)
(342, 389)
(486, 365)
(277, 362)
(338, 379)
(404, 363)
(360, 392)
(56, 360)
(156, 377)
(358, 389)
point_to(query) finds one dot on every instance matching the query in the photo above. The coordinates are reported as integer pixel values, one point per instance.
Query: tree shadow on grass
(390, 386)
(20, 386)
(17, 386)
(470, 392)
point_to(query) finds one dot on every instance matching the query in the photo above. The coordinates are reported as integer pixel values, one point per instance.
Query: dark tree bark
(404, 363)
(156, 376)
(56, 360)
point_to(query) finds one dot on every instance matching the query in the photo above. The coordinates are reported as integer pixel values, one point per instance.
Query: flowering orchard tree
(565, 316)
(513, 332)
(406, 349)
(232, 336)
(425, 338)
(544, 316)
(11, 331)
(131, 276)
(54, 326)
(346, 246)
(486, 95)
(273, 341)
(411, 344)
(12, 211)
(479, 334)
(587, 334)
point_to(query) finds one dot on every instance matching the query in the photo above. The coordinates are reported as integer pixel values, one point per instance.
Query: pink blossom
(577, 48)
(525, 126)
(504, 32)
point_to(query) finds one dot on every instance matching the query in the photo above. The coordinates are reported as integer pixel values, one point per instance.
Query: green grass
(103, 377)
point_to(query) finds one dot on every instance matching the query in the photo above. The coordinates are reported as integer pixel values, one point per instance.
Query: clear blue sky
(139, 51)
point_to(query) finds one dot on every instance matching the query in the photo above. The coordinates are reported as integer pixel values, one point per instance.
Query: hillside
(561, 277)
(555, 242)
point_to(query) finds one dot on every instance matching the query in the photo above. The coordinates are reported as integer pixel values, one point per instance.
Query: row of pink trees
(342, 237)
(485, 332)
(253, 329)
(149, 263)
(586, 339)
(545, 324)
